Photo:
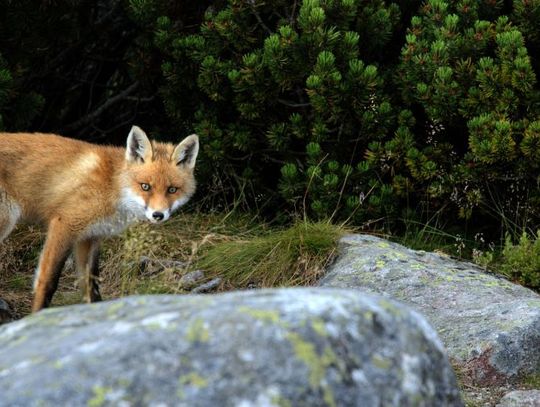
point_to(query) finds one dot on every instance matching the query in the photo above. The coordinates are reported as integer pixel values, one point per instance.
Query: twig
(123, 120)
(309, 185)
(107, 104)
(293, 12)
(259, 19)
(293, 104)
(141, 99)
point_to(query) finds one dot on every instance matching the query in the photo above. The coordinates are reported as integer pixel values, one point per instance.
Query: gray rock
(188, 280)
(150, 266)
(521, 398)
(206, 287)
(490, 326)
(288, 347)
(5, 312)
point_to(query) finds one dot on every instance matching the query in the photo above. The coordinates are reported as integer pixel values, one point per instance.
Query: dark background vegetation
(382, 113)
(86, 69)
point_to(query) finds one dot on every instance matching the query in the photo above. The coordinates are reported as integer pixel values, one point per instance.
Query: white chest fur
(130, 209)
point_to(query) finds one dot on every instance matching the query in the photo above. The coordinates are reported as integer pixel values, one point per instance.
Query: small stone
(206, 287)
(150, 266)
(5, 312)
(188, 280)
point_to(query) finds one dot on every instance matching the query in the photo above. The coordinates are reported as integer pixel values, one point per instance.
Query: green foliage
(470, 134)
(518, 259)
(521, 261)
(531, 381)
(290, 101)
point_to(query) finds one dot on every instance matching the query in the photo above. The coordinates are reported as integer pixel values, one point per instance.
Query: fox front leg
(87, 260)
(52, 259)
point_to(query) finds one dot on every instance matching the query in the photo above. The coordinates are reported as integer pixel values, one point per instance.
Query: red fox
(84, 192)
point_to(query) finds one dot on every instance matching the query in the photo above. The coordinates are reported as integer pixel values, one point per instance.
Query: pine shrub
(286, 97)
(466, 73)
(521, 261)
(362, 109)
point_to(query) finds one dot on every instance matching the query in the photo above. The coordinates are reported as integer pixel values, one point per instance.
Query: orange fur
(83, 192)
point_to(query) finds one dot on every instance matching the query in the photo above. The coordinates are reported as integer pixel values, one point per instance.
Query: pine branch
(258, 17)
(293, 12)
(293, 104)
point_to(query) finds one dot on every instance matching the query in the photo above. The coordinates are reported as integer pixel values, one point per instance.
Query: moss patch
(319, 327)
(100, 394)
(197, 332)
(317, 365)
(193, 379)
(262, 315)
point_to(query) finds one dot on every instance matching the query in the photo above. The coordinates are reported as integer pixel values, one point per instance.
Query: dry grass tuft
(289, 257)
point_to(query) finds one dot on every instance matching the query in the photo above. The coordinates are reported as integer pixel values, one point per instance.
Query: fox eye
(145, 187)
(172, 190)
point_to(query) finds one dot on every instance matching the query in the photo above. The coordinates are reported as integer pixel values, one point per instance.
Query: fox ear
(186, 152)
(139, 148)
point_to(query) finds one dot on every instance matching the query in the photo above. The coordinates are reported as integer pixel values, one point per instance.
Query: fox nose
(158, 215)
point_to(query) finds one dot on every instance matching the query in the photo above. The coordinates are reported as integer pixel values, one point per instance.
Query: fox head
(159, 176)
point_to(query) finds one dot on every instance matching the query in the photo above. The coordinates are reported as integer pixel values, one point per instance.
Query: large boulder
(490, 326)
(288, 347)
